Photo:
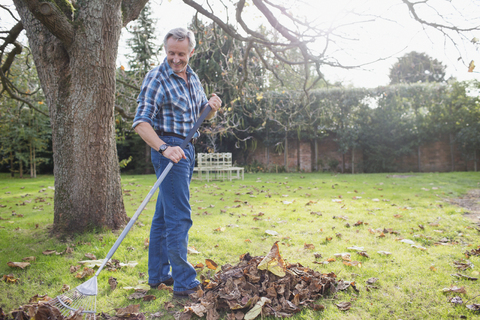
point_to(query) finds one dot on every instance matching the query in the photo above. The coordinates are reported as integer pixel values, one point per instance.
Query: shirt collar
(170, 70)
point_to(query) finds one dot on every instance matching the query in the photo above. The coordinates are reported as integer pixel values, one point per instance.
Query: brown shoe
(186, 293)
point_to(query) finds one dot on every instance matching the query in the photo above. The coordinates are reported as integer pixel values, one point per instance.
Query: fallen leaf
(456, 300)
(31, 258)
(455, 289)
(90, 256)
(273, 262)
(308, 246)
(163, 286)
(271, 232)
(257, 309)
(127, 311)
(21, 265)
(344, 306)
(473, 307)
(9, 278)
(137, 295)
(462, 276)
(211, 264)
(113, 283)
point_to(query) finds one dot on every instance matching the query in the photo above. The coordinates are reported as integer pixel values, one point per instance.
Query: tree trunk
(78, 79)
(418, 158)
(286, 153)
(316, 153)
(12, 173)
(452, 152)
(30, 147)
(353, 160)
(34, 163)
(20, 166)
(298, 155)
(475, 159)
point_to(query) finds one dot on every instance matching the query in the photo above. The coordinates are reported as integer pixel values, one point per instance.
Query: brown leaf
(473, 307)
(38, 298)
(168, 305)
(31, 258)
(273, 262)
(113, 283)
(211, 264)
(49, 252)
(86, 272)
(163, 286)
(21, 265)
(127, 311)
(137, 295)
(65, 288)
(344, 306)
(318, 307)
(74, 269)
(308, 246)
(9, 278)
(455, 289)
(90, 256)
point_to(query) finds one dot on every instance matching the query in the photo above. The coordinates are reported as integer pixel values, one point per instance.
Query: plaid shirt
(167, 103)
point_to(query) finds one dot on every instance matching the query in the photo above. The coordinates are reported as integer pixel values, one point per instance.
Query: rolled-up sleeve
(148, 101)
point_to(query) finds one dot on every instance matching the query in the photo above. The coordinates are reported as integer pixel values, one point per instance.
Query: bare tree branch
(53, 19)
(132, 9)
(411, 8)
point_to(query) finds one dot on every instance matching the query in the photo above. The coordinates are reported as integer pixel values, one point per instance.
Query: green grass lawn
(330, 213)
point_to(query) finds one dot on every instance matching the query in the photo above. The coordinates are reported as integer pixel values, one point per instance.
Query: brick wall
(435, 157)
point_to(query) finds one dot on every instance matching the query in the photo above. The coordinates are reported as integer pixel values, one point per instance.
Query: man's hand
(174, 153)
(215, 102)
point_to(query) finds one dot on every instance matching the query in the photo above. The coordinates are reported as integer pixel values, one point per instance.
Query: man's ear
(191, 53)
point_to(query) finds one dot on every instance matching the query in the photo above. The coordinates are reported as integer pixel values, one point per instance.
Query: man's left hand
(215, 102)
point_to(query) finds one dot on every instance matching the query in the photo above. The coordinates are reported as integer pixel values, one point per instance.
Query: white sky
(391, 34)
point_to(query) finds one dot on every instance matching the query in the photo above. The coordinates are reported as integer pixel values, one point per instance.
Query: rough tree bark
(75, 53)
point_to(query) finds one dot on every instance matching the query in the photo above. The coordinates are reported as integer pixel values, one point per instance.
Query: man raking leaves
(170, 101)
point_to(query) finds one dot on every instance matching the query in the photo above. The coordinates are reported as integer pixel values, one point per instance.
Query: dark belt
(171, 134)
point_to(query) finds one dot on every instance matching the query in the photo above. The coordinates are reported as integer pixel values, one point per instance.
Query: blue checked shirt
(167, 103)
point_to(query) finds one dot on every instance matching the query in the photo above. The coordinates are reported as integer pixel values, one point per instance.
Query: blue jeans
(172, 221)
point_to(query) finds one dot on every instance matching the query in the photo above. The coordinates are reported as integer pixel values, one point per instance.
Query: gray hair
(180, 34)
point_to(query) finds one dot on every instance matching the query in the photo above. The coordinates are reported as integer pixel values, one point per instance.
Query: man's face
(178, 54)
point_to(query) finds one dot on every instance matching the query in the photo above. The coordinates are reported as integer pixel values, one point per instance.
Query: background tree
(24, 132)
(417, 67)
(143, 57)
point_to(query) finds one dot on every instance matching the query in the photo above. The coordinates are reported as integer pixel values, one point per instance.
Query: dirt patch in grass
(471, 202)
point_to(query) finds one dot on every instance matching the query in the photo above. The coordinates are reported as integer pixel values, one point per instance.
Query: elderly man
(170, 101)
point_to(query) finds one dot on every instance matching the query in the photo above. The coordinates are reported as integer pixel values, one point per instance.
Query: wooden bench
(217, 166)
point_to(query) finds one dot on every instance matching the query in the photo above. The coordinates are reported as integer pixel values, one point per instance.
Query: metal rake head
(82, 299)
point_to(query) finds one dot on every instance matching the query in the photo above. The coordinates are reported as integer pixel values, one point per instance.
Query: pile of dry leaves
(262, 285)
(266, 286)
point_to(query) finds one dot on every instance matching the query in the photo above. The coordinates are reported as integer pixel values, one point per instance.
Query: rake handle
(152, 191)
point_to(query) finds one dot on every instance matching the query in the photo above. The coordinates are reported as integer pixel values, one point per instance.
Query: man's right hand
(174, 153)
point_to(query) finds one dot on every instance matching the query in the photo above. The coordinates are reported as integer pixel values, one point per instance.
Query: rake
(83, 299)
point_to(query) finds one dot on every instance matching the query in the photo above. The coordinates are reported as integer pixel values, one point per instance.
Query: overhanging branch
(53, 19)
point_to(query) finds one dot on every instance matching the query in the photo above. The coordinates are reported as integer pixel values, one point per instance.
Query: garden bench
(217, 166)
